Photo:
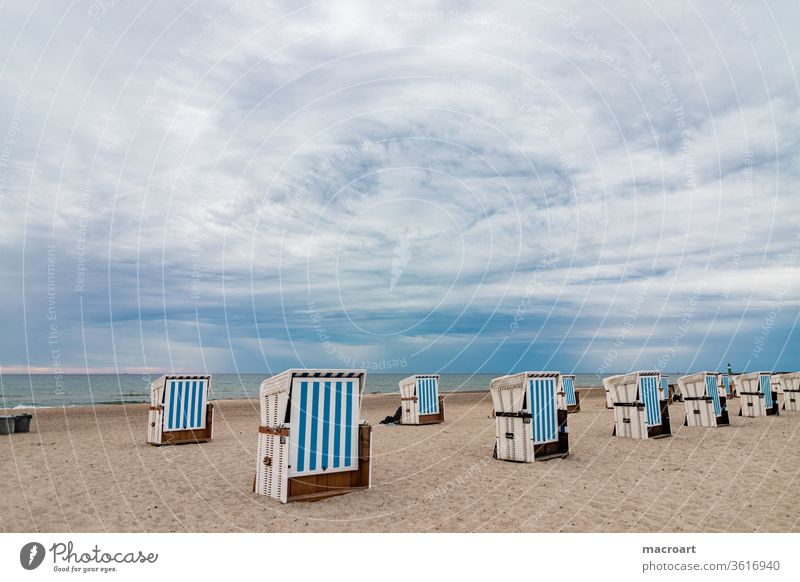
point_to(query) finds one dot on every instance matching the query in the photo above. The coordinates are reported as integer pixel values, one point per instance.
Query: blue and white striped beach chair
(663, 389)
(789, 390)
(569, 399)
(529, 424)
(706, 404)
(311, 440)
(639, 411)
(758, 398)
(179, 410)
(420, 400)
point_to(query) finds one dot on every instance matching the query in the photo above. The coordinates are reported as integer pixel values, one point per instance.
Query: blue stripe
(193, 407)
(427, 396)
(766, 389)
(420, 394)
(312, 446)
(664, 388)
(301, 428)
(429, 407)
(326, 424)
(178, 406)
(711, 389)
(348, 423)
(186, 404)
(171, 404)
(200, 411)
(551, 407)
(337, 424)
(726, 383)
(435, 393)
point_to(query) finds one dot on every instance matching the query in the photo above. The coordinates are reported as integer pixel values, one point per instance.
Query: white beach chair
(706, 405)
(312, 442)
(420, 400)
(529, 424)
(755, 391)
(569, 399)
(639, 412)
(790, 390)
(179, 410)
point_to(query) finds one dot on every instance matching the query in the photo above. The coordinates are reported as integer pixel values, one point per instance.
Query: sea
(49, 391)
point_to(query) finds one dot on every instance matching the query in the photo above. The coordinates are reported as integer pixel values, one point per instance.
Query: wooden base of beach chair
(181, 437)
(791, 401)
(774, 410)
(558, 449)
(571, 408)
(316, 487)
(662, 430)
(430, 418)
(324, 485)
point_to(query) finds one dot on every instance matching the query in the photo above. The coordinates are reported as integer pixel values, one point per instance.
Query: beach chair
(179, 410)
(725, 385)
(312, 442)
(529, 424)
(639, 412)
(569, 399)
(664, 390)
(420, 400)
(706, 405)
(790, 389)
(755, 391)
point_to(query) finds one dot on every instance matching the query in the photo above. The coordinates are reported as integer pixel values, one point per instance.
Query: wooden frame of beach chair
(755, 391)
(790, 388)
(705, 403)
(420, 401)
(312, 443)
(569, 399)
(529, 424)
(179, 411)
(639, 412)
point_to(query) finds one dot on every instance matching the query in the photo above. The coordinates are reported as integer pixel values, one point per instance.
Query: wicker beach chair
(420, 400)
(311, 441)
(529, 424)
(639, 412)
(706, 404)
(756, 393)
(569, 399)
(179, 410)
(790, 390)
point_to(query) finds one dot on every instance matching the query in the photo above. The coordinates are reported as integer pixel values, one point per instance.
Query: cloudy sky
(410, 187)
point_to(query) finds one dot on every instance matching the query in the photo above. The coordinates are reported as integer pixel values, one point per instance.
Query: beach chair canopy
(533, 394)
(183, 399)
(322, 409)
(789, 381)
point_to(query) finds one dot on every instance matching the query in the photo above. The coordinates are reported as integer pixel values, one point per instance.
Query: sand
(85, 469)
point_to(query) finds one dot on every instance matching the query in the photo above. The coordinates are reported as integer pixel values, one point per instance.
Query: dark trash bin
(22, 422)
(6, 424)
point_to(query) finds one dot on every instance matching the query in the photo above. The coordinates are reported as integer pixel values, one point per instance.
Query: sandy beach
(85, 469)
